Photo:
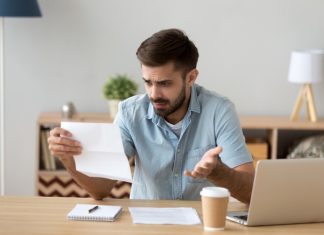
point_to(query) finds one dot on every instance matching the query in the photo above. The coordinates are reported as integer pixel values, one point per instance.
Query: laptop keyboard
(243, 217)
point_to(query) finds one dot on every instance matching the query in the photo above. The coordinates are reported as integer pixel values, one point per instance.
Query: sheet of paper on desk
(155, 215)
(103, 154)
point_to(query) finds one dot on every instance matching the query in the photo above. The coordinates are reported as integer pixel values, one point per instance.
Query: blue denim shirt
(161, 157)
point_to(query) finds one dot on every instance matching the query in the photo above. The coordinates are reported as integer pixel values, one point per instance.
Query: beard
(173, 106)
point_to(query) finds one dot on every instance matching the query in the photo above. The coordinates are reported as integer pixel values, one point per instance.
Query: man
(183, 137)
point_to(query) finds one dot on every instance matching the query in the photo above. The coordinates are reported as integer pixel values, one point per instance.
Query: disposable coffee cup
(214, 207)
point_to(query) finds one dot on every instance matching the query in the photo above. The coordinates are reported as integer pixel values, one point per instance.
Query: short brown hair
(169, 45)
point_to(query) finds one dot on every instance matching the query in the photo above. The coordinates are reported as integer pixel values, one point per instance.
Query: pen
(93, 209)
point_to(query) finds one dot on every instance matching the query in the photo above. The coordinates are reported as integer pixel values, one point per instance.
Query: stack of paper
(173, 215)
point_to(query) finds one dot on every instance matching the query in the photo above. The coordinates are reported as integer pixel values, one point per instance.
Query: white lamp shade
(306, 66)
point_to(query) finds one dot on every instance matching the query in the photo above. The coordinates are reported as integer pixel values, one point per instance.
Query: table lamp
(10, 8)
(306, 67)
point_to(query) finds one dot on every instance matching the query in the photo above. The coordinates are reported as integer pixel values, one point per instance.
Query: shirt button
(176, 174)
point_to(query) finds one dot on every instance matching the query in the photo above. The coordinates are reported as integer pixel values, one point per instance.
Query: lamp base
(305, 94)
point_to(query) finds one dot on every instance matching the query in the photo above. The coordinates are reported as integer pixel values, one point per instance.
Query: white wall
(68, 54)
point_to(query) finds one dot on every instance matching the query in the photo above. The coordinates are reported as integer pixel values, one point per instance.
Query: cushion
(310, 147)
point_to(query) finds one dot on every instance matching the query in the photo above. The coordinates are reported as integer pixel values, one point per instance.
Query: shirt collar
(194, 105)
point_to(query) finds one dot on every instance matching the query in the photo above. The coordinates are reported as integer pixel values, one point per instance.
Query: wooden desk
(44, 215)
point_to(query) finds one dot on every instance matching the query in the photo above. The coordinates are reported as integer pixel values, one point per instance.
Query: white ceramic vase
(113, 107)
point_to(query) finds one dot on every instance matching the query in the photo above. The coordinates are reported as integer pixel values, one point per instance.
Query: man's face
(167, 89)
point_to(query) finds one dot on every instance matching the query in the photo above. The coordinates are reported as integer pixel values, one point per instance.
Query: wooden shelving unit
(280, 132)
(55, 180)
(271, 136)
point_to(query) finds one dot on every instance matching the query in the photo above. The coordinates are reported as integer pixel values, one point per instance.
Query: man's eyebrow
(159, 81)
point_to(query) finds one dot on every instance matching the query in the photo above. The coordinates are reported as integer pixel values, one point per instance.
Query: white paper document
(155, 215)
(102, 150)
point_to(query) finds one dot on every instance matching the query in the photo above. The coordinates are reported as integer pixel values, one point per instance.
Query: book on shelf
(44, 151)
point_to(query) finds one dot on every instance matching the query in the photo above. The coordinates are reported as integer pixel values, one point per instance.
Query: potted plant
(117, 88)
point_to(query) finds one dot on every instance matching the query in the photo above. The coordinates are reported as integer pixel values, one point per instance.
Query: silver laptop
(285, 191)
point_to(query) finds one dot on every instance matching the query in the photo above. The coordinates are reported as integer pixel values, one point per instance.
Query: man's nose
(154, 92)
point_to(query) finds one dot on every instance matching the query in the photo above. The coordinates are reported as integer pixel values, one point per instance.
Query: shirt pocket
(193, 157)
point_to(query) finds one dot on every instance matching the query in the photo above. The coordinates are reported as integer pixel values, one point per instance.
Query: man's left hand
(206, 165)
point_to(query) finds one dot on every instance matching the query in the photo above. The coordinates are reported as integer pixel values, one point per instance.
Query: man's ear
(192, 76)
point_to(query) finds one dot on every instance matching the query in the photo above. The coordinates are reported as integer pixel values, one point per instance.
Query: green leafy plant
(119, 87)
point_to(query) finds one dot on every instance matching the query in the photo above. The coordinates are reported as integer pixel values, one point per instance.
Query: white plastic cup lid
(215, 192)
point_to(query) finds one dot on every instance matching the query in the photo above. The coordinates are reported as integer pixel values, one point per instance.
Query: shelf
(272, 136)
(279, 122)
(58, 182)
(55, 118)
(279, 131)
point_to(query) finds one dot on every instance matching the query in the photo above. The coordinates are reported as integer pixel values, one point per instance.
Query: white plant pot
(113, 107)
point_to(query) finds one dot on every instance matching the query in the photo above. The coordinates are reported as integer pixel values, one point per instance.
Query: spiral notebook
(94, 213)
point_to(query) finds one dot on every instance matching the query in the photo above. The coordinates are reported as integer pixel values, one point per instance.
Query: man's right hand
(61, 144)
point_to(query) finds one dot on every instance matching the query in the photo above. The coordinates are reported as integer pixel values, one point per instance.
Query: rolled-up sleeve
(127, 140)
(230, 137)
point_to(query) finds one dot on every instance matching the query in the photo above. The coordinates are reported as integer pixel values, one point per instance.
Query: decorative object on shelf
(10, 8)
(58, 185)
(306, 67)
(117, 88)
(68, 110)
